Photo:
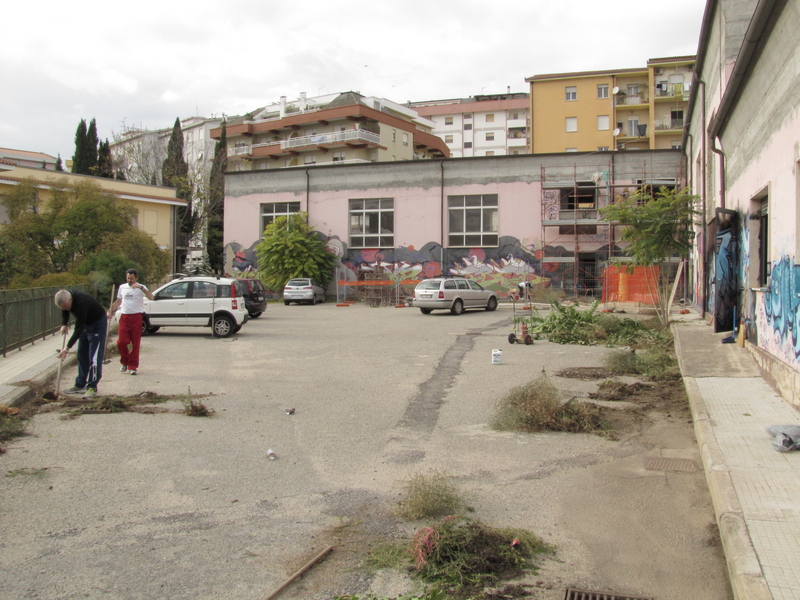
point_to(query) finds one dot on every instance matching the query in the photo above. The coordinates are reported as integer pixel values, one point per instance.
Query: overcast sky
(147, 62)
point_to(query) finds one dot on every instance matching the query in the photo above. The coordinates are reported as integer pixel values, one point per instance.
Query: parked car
(197, 301)
(302, 289)
(255, 297)
(455, 294)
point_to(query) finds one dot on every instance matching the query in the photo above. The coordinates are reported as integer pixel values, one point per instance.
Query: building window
(579, 230)
(676, 119)
(633, 89)
(571, 93)
(338, 156)
(405, 139)
(448, 120)
(448, 139)
(602, 123)
(490, 153)
(467, 144)
(580, 197)
(372, 223)
(676, 145)
(467, 115)
(472, 220)
(602, 148)
(468, 126)
(490, 136)
(490, 118)
(572, 124)
(394, 135)
(310, 159)
(762, 239)
(633, 126)
(570, 149)
(602, 91)
(273, 210)
(514, 116)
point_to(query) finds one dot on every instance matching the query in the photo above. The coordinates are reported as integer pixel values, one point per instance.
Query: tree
(138, 156)
(105, 168)
(175, 174)
(59, 164)
(658, 227)
(79, 158)
(290, 248)
(90, 149)
(215, 208)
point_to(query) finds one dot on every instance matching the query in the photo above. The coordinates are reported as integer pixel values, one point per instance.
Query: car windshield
(428, 284)
(298, 282)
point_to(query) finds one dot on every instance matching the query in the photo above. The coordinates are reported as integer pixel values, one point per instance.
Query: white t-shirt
(132, 299)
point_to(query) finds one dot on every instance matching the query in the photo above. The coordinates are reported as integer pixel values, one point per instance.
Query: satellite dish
(615, 90)
(616, 132)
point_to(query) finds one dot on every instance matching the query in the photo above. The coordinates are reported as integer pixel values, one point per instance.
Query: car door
(200, 302)
(168, 306)
(466, 294)
(479, 293)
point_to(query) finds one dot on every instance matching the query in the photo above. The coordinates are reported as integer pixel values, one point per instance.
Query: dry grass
(431, 494)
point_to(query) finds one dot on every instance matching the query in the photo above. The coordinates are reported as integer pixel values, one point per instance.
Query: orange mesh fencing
(640, 285)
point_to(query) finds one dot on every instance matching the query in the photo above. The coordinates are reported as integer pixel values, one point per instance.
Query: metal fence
(27, 315)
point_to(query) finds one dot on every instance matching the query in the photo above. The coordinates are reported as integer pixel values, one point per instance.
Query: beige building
(621, 109)
(332, 129)
(156, 206)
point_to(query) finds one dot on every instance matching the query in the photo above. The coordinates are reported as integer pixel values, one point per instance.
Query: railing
(239, 150)
(337, 137)
(669, 125)
(27, 315)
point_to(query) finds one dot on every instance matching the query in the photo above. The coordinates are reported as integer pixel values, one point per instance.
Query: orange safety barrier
(640, 285)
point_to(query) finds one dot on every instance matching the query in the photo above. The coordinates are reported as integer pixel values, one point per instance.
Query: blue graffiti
(782, 303)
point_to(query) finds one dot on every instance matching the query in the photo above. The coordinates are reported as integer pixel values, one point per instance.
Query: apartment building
(483, 125)
(620, 109)
(335, 128)
(27, 158)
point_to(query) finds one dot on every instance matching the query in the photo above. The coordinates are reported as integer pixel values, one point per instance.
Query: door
(725, 271)
(168, 306)
(200, 304)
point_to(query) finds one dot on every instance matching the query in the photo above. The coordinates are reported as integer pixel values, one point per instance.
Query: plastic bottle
(271, 455)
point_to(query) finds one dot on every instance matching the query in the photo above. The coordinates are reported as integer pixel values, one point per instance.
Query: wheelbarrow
(520, 333)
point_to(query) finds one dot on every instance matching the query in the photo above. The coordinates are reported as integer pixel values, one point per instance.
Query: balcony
(517, 142)
(241, 151)
(349, 136)
(633, 100)
(517, 123)
(669, 125)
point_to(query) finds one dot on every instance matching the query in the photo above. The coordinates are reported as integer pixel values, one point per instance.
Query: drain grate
(584, 595)
(657, 463)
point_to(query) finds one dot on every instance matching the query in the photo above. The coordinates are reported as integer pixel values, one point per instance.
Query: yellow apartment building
(621, 109)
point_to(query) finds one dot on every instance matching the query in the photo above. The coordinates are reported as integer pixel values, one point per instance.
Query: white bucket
(497, 357)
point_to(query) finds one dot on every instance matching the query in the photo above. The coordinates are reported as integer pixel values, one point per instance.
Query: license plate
(426, 295)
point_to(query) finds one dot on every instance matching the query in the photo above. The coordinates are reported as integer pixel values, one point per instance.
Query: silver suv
(197, 301)
(455, 294)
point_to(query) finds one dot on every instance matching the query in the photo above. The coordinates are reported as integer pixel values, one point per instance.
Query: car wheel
(152, 329)
(146, 329)
(425, 311)
(286, 302)
(223, 326)
(237, 328)
(255, 314)
(313, 300)
(322, 300)
(511, 338)
(491, 304)
(457, 308)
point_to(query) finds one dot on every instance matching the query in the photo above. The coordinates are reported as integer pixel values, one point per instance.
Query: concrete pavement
(753, 488)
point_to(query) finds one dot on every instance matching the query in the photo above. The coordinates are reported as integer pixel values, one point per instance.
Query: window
(761, 215)
(490, 136)
(394, 135)
(572, 124)
(514, 116)
(579, 230)
(372, 223)
(467, 144)
(602, 148)
(490, 118)
(676, 145)
(448, 139)
(467, 115)
(472, 220)
(448, 120)
(467, 125)
(570, 149)
(273, 210)
(676, 119)
(633, 126)
(310, 159)
(339, 156)
(490, 153)
(602, 91)
(602, 123)
(580, 197)
(633, 89)
(405, 139)
(571, 93)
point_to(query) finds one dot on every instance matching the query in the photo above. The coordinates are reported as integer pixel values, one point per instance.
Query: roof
(25, 153)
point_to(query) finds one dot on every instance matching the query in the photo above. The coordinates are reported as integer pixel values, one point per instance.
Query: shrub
(430, 494)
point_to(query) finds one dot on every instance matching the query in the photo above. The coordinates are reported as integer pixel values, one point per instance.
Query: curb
(744, 571)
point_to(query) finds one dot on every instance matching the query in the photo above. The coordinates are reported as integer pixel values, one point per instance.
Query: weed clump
(196, 409)
(538, 406)
(430, 494)
(11, 425)
(656, 364)
(459, 553)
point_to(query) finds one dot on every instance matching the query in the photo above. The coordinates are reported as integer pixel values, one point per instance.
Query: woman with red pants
(131, 295)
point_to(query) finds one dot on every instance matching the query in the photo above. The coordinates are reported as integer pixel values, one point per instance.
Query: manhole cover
(584, 595)
(656, 463)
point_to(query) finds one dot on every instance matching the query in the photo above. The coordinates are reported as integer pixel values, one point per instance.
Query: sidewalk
(755, 490)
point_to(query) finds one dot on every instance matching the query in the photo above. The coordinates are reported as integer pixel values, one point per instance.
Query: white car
(455, 294)
(302, 289)
(197, 301)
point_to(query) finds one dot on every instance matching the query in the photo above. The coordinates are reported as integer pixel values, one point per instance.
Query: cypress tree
(78, 159)
(105, 168)
(59, 164)
(216, 201)
(91, 149)
(175, 173)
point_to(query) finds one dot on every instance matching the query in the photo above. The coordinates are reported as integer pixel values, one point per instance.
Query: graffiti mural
(778, 316)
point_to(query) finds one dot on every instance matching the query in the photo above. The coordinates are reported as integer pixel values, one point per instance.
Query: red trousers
(130, 336)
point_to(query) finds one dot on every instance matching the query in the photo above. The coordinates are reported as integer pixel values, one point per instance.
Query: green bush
(430, 494)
